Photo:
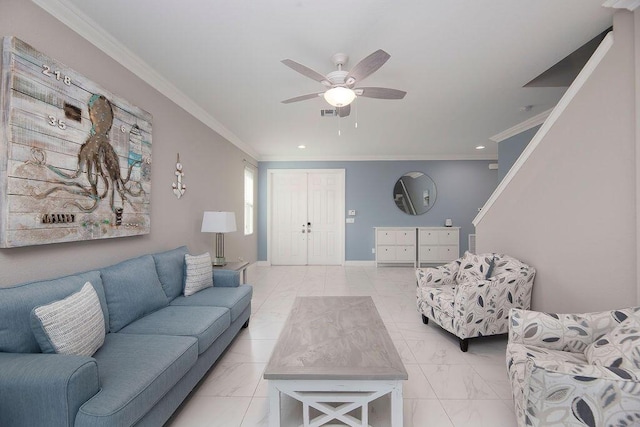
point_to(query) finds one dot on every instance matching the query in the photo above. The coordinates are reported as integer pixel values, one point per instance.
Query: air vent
(329, 113)
(472, 243)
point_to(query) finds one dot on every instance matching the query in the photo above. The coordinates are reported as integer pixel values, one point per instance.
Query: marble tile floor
(446, 388)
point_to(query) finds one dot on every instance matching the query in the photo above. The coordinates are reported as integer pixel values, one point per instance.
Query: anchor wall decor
(179, 188)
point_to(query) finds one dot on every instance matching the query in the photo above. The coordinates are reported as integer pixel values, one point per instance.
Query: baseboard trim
(359, 263)
(262, 264)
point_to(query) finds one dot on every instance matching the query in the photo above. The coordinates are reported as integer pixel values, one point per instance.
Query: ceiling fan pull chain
(339, 122)
(355, 107)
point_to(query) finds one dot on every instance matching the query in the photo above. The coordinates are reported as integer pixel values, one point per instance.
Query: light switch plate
(352, 212)
(351, 220)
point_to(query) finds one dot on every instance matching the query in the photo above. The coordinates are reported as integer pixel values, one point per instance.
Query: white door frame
(340, 205)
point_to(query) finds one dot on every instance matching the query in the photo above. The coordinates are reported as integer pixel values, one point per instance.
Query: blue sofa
(158, 345)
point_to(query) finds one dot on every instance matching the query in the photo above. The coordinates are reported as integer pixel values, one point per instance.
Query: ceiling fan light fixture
(339, 96)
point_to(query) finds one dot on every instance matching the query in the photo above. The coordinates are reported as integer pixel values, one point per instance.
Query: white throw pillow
(619, 348)
(199, 273)
(74, 325)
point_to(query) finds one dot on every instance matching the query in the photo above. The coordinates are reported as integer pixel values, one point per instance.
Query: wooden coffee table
(335, 355)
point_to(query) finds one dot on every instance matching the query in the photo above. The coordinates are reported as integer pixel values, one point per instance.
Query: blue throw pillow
(170, 267)
(132, 289)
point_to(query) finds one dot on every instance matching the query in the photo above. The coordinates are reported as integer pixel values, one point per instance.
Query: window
(248, 201)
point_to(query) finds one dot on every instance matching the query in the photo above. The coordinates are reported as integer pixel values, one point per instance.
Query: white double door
(306, 216)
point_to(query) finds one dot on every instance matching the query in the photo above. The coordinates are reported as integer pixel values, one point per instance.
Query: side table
(240, 266)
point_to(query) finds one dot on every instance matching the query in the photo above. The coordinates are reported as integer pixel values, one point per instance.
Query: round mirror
(414, 193)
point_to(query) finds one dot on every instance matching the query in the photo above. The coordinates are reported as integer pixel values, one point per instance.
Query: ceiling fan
(340, 83)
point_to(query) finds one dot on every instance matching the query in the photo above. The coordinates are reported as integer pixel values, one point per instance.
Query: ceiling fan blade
(302, 98)
(367, 66)
(344, 111)
(380, 92)
(306, 71)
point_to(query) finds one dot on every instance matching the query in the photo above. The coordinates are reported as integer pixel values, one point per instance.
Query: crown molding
(88, 29)
(622, 4)
(556, 113)
(488, 157)
(521, 127)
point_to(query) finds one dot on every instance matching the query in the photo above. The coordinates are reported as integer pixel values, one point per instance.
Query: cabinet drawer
(405, 253)
(429, 253)
(429, 237)
(448, 253)
(386, 253)
(406, 237)
(448, 237)
(386, 237)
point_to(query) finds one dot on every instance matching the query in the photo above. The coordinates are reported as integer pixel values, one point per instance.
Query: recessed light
(302, 146)
(480, 147)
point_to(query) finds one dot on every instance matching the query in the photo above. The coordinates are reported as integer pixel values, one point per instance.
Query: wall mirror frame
(415, 193)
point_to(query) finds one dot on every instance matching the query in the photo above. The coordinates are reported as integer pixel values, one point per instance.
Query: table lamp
(219, 223)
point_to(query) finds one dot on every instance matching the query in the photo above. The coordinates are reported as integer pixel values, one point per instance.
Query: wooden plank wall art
(75, 160)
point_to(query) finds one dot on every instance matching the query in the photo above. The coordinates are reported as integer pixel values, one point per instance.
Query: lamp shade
(339, 96)
(218, 222)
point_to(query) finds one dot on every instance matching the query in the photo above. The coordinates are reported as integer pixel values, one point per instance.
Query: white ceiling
(463, 64)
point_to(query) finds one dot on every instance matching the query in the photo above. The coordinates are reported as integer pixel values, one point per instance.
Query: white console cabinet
(395, 245)
(438, 245)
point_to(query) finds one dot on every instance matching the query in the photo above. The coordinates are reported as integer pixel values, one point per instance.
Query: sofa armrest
(437, 276)
(226, 278)
(565, 332)
(483, 306)
(45, 389)
(570, 394)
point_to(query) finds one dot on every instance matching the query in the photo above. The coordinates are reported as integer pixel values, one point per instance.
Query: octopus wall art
(77, 158)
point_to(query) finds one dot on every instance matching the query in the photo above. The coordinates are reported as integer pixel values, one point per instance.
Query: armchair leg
(464, 344)
(246, 324)
(425, 319)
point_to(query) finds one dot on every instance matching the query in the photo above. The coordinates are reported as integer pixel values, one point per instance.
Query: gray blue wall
(463, 186)
(510, 149)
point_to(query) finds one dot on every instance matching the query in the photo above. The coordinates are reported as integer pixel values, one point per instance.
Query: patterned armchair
(471, 296)
(575, 370)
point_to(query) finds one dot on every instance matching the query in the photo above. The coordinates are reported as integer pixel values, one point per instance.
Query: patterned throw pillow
(473, 267)
(620, 348)
(198, 274)
(74, 325)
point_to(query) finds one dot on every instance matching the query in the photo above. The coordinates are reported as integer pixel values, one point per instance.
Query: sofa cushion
(235, 299)
(136, 371)
(73, 325)
(473, 267)
(132, 289)
(519, 354)
(620, 348)
(520, 360)
(441, 298)
(198, 273)
(16, 303)
(170, 268)
(203, 323)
